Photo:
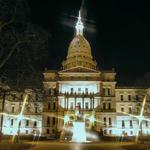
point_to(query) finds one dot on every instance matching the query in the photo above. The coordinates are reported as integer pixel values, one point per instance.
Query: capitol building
(79, 92)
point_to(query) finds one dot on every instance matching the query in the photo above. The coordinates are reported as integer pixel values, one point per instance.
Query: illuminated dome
(79, 51)
(79, 45)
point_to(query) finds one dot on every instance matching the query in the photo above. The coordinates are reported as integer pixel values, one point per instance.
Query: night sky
(118, 31)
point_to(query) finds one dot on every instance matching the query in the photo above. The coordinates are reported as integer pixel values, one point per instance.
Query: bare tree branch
(10, 53)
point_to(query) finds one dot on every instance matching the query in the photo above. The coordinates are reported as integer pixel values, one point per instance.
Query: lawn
(8, 145)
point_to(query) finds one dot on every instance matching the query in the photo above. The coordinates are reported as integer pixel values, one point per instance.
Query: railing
(78, 94)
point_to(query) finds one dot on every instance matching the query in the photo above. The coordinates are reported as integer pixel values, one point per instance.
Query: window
(131, 132)
(79, 90)
(137, 97)
(121, 97)
(86, 105)
(71, 105)
(54, 120)
(12, 122)
(130, 110)
(27, 122)
(109, 93)
(110, 121)
(110, 132)
(35, 123)
(109, 106)
(104, 106)
(129, 97)
(104, 121)
(104, 91)
(131, 123)
(54, 105)
(36, 109)
(20, 123)
(52, 91)
(13, 109)
(105, 132)
(86, 90)
(146, 123)
(71, 90)
(123, 124)
(49, 105)
(122, 109)
(79, 105)
(26, 131)
(48, 120)
(47, 131)
(123, 132)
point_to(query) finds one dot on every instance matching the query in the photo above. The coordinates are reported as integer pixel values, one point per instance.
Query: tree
(23, 46)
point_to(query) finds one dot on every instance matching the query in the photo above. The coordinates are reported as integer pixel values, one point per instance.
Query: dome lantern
(79, 26)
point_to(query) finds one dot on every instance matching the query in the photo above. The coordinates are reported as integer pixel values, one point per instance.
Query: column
(93, 102)
(83, 103)
(90, 103)
(67, 103)
(75, 103)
